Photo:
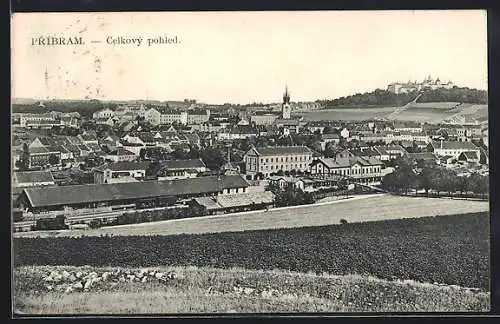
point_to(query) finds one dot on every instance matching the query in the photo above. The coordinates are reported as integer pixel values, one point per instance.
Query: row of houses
(165, 115)
(42, 149)
(136, 171)
(58, 149)
(363, 170)
(462, 133)
(265, 161)
(450, 133)
(364, 162)
(159, 115)
(391, 136)
(47, 121)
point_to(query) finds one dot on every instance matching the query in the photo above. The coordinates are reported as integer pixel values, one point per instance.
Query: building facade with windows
(165, 115)
(446, 148)
(263, 119)
(267, 160)
(105, 113)
(120, 172)
(198, 116)
(362, 170)
(41, 121)
(427, 84)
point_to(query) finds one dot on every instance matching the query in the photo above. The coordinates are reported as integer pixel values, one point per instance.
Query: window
(267, 160)
(295, 160)
(271, 160)
(237, 189)
(281, 159)
(244, 189)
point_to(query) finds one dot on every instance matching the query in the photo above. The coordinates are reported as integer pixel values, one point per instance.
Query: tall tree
(425, 178)
(53, 159)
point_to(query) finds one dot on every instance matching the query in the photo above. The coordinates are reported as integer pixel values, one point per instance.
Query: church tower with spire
(285, 108)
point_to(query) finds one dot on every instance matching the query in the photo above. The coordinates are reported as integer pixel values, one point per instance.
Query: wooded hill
(384, 98)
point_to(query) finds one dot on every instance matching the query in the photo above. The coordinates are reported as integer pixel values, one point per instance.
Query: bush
(95, 223)
(48, 224)
(17, 216)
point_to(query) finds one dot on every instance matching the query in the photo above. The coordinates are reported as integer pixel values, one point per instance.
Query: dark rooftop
(452, 145)
(124, 166)
(421, 156)
(470, 155)
(183, 164)
(81, 194)
(33, 176)
(280, 150)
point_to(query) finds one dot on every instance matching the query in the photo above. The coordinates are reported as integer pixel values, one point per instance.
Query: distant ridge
(384, 98)
(24, 101)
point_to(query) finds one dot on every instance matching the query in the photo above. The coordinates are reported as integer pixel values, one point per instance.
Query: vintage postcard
(250, 162)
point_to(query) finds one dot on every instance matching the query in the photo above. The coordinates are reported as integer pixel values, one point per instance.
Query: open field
(348, 114)
(435, 105)
(209, 290)
(429, 115)
(479, 112)
(431, 112)
(450, 249)
(369, 208)
(464, 107)
(435, 112)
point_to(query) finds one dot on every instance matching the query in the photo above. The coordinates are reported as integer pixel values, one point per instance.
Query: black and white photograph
(250, 162)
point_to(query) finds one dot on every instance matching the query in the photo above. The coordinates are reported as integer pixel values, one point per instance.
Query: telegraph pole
(347, 188)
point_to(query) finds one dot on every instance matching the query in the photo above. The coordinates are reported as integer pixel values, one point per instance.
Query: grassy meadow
(210, 290)
(430, 112)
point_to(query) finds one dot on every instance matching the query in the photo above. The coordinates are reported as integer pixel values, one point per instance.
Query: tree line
(431, 177)
(290, 196)
(84, 107)
(463, 95)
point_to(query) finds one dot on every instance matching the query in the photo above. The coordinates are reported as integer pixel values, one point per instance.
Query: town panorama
(374, 184)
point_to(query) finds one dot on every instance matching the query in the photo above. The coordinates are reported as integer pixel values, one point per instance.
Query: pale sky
(244, 57)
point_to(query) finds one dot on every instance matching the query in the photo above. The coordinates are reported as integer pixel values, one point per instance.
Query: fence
(449, 195)
(358, 189)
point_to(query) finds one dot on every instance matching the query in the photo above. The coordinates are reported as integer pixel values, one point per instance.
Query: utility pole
(347, 188)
